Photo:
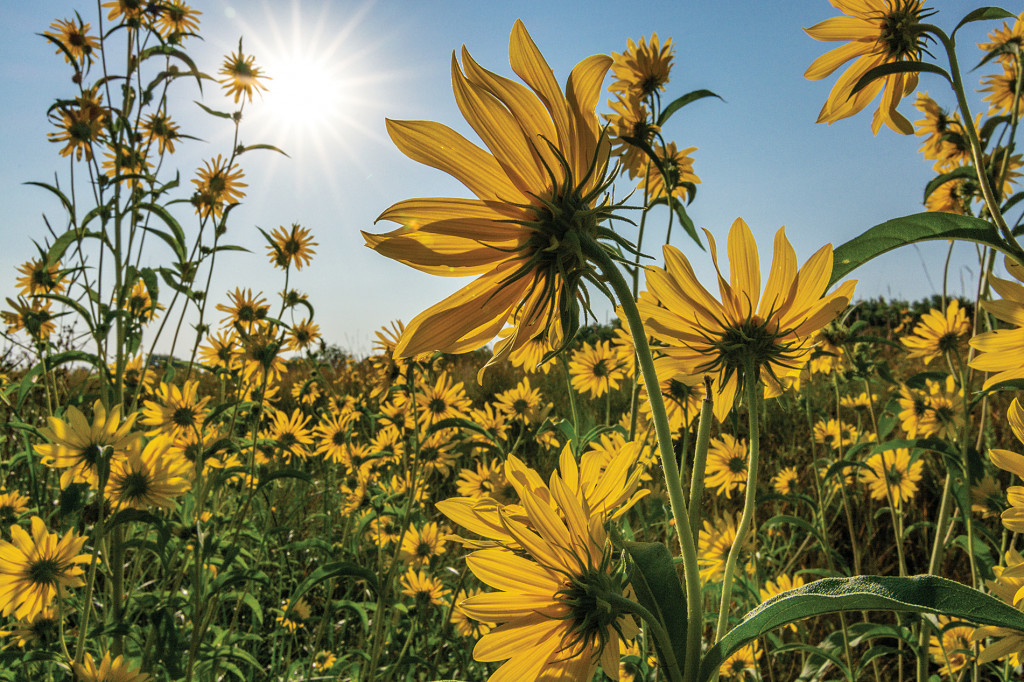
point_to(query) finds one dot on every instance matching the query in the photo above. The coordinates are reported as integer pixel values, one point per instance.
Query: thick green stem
(673, 482)
(700, 453)
(652, 624)
(754, 391)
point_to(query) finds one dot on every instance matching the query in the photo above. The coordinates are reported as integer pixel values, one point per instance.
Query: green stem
(754, 392)
(673, 483)
(651, 624)
(700, 454)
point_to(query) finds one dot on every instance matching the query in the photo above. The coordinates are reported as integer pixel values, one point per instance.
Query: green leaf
(248, 148)
(680, 102)
(338, 569)
(60, 195)
(684, 218)
(284, 473)
(218, 114)
(890, 68)
(919, 594)
(652, 574)
(911, 229)
(50, 363)
(983, 14)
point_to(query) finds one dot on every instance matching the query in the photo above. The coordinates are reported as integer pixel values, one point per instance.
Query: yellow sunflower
(34, 568)
(76, 445)
(12, 505)
(944, 133)
(952, 196)
(117, 669)
(879, 32)
(487, 479)
(630, 124)
(892, 476)
(781, 583)
(426, 589)
(714, 542)
(537, 210)
(150, 477)
(160, 129)
(938, 333)
(642, 70)
(241, 77)
(951, 648)
(293, 616)
(291, 247)
(126, 164)
(464, 625)
(219, 352)
(177, 19)
(742, 664)
(175, 411)
(1002, 92)
(39, 276)
(726, 466)
(74, 37)
(595, 369)
(422, 544)
(701, 335)
(785, 482)
(547, 593)
(1006, 39)
(674, 177)
(218, 184)
(522, 402)
(78, 126)
(444, 399)
(42, 629)
(290, 433)
(33, 316)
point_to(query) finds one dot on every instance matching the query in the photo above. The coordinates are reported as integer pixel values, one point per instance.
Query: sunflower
(75, 39)
(220, 351)
(595, 369)
(785, 482)
(529, 357)
(290, 433)
(291, 246)
(175, 411)
(33, 316)
(34, 568)
(704, 336)
(642, 70)
(741, 664)
(952, 196)
(1008, 41)
(78, 126)
(384, 530)
(943, 416)
(494, 422)
(218, 184)
(140, 304)
(714, 542)
(42, 629)
(1002, 92)
(293, 616)
(117, 669)
(536, 213)
(76, 445)
(130, 12)
(487, 479)
(323, 661)
(554, 622)
(152, 477)
(137, 380)
(125, 164)
(938, 333)
(303, 335)
(945, 137)
(630, 125)
(835, 433)
(246, 309)
(427, 590)
(891, 475)
(726, 467)
(39, 276)
(444, 399)
(160, 129)
(987, 496)
(683, 396)
(951, 648)
(880, 32)
(331, 437)
(176, 19)
(241, 76)
(675, 177)
(12, 505)
(420, 545)
(522, 403)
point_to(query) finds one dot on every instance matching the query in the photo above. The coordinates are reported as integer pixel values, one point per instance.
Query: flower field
(753, 478)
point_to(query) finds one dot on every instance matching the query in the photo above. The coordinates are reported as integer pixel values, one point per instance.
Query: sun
(306, 93)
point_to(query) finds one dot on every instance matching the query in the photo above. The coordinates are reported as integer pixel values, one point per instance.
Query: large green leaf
(656, 584)
(890, 68)
(680, 102)
(983, 14)
(910, 229)
(920, 594)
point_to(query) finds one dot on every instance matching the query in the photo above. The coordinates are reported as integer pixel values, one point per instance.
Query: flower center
(899, 36)
(44, 572)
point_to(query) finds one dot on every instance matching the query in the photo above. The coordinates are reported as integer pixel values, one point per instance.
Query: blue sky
(760, 154)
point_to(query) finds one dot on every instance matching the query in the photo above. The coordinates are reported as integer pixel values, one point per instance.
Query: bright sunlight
(307, 94)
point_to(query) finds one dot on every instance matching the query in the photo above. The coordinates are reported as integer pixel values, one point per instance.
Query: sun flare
(306, 93)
